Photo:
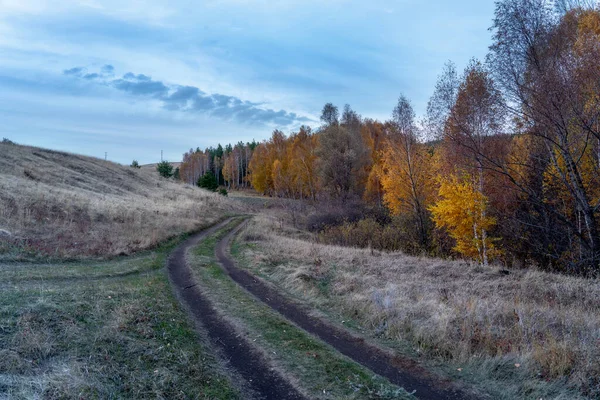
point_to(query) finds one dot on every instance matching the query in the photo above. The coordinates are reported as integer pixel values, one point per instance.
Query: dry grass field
(64, 205)
(517, 334)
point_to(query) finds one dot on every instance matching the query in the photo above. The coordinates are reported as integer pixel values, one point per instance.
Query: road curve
(400, 371)
(260, 378)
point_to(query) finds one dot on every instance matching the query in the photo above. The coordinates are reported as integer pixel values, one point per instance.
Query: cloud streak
(190, 99)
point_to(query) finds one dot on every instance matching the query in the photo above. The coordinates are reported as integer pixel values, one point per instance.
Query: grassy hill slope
(65, 205)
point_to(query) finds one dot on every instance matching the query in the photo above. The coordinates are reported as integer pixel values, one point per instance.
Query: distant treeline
(505, 164)
(228, 164)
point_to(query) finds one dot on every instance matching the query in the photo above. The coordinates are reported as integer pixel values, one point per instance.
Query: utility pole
(161, 159)
(105, 155)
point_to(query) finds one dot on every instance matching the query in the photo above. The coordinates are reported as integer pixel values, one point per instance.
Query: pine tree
(165, 169)
(208, 181)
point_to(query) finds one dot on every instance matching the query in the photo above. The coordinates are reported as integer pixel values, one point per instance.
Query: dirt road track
(400, 371)
(263, 382)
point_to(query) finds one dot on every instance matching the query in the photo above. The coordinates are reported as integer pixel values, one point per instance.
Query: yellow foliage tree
(555, 176)
(406, 178)
(260, 169)
(461, 210)
(230, 168)
(373, 134)
(281, 178)
(302, 158)
(405, 171)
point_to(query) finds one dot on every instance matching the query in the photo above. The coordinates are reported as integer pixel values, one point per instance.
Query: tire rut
(262, 381)
(400, 371)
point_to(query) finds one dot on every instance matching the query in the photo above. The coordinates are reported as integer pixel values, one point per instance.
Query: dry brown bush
(548, 324)
(368, 233)
(66, 205)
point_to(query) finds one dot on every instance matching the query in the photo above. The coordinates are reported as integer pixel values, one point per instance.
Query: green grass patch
(62, 336)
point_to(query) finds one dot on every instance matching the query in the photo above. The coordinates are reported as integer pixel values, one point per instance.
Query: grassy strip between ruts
(317, 369)
(123, 337)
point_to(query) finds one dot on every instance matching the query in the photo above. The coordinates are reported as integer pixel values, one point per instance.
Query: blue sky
(132, 78)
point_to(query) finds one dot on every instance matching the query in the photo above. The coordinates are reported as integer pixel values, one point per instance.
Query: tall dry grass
(545, 327)
(67, 205)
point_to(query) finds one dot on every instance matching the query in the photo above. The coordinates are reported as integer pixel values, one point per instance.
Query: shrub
(165, 169)
(135, 164)
(334, 215)
(364, 233)
(397, 234)
(223, 192)
(208, 181)
(176, 175)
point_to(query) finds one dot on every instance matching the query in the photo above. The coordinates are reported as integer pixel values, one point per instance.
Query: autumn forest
(503, 168)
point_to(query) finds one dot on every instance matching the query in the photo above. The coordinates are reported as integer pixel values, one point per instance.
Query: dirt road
(260, 380)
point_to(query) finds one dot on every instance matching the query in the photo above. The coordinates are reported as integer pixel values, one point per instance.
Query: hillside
(66, 205)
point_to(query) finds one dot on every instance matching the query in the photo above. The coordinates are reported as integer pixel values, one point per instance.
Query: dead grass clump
(66, 205)
(556, 358)
(62, 380)
(12, 363)
(547, 324)
(38, 331)
(134, 320)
